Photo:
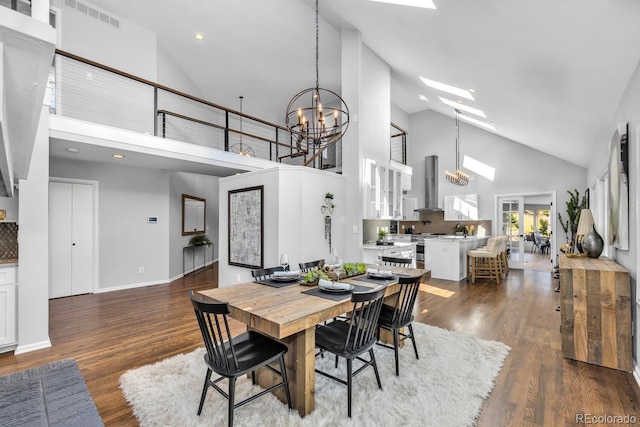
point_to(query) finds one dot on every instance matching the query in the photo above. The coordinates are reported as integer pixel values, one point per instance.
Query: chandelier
(239, 148)
(311, 123)
(458, 177)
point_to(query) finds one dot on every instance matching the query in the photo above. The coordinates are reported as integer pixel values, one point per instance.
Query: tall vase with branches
(575, 204)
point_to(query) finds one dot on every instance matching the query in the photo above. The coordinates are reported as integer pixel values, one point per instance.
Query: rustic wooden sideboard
(595, 308)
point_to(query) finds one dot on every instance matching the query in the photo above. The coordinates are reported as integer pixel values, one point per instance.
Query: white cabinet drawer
(7, 275)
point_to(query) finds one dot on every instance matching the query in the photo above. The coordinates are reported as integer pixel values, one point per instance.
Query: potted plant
(199, 240)
(382, 233)
(459, 229)
(574, 207)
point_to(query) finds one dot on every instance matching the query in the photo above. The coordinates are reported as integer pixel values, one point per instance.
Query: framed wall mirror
(194, 210)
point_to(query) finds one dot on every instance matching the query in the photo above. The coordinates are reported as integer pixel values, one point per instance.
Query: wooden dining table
(290, 315)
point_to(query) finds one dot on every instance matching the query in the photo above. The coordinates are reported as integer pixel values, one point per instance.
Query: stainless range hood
(430, 185)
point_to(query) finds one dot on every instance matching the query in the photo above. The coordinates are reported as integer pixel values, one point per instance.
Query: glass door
(511, 224)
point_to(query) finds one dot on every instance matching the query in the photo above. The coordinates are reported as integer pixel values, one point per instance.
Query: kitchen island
(397, 250)
(446, 256)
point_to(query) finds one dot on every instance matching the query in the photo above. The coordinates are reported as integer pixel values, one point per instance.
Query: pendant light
(239, 148)
(312, 124)
(458, 177)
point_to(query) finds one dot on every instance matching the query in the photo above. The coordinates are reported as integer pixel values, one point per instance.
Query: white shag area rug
(445, 387)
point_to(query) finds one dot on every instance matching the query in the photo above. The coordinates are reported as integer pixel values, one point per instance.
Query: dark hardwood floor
(113, 332)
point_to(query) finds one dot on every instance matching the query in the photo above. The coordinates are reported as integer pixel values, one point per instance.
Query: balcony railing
(89, 91)
(96, 93)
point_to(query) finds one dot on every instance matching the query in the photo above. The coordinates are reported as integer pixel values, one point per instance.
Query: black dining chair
(306, 266)
(232, 357)
(397, 262)
(400, 315)
(352, 338)
(264, 273)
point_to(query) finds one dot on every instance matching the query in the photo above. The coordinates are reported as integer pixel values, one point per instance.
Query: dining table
(290, 313)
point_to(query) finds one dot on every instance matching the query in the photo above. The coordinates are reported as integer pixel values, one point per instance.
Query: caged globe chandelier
(312, 124)
(458, 177)
(240, 148)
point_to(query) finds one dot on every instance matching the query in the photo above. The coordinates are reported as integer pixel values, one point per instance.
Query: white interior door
(70, 239)
(511, 223)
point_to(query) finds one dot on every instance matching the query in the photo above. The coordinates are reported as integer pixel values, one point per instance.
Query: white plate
(285, 278)
(380, 275)
(337, 291)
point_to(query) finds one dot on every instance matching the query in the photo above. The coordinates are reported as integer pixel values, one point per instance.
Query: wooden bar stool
(485, 263)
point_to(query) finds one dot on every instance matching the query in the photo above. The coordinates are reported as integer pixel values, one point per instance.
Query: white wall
(129, 48)
(205, 187)
(33, 250)
(366, 86)
(628, 111)
(293, 223)
(127, 196)
(518, 168)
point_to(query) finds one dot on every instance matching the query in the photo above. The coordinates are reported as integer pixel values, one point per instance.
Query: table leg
(300, 361)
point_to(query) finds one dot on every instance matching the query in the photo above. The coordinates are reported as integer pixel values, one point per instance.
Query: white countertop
(383, 247)
(456, 239)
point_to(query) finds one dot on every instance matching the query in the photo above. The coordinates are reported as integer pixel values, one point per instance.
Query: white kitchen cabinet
(398, 250)
(409, 205)
(383, 191)
(461, 207)
(8, 337)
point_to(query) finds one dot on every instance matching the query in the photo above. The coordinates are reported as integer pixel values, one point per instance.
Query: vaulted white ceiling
(549, 73)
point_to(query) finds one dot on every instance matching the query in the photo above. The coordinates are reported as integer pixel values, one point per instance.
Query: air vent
(92, 13)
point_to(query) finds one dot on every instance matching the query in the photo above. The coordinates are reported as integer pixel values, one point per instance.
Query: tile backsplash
(8, 242)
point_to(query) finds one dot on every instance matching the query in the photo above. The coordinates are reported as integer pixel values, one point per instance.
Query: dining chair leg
(349, 383)
(375, 367)
(232, 393)
(283, 371)
(336, 362)
(253, 377)
(413, 340)
(204, 390)
(395, 350)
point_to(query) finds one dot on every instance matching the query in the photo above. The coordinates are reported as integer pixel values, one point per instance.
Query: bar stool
(504, 258)
(485, 263)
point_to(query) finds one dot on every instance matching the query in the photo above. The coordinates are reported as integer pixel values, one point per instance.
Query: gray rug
(445, 387)
(49, 395)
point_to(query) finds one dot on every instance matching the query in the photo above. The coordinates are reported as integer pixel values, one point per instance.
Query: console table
(595, 308)
(193, 249)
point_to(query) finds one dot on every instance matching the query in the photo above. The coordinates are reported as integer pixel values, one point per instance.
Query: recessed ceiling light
(477, 122)
(472, 90)
(426, 4)
(73, 150)
(448, 88)
(463, 107)
(492, 123)
(117, 156)
(199, 36)
(459, 100)
(422, 98)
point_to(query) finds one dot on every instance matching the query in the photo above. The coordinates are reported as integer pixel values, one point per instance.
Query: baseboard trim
(32, 347)
(130, 286)
(155, 282)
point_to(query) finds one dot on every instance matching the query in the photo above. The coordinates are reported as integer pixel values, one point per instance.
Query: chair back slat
(396, 261)
(311, 265)
(403, 308)
(216, 334)
(264, 273)
(364, 318)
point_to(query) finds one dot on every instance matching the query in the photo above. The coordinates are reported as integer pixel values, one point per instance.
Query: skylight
(448, 88)
(477, 122)
(478, 167)
(463, 107)
(426, 4)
